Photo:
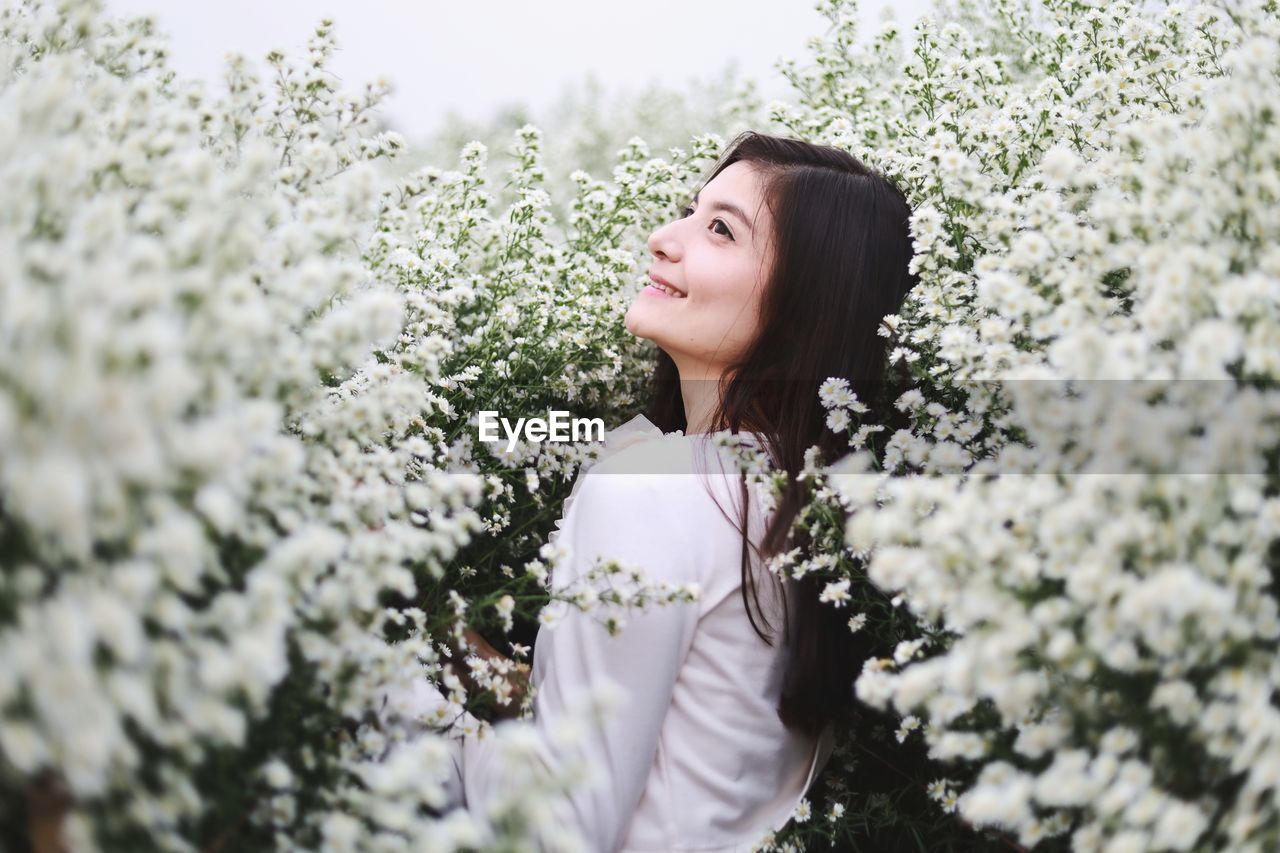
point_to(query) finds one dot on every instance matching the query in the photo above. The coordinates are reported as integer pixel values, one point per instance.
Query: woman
(775, 278)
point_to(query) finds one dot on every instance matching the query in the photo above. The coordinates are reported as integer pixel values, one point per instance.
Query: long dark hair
(842, 250)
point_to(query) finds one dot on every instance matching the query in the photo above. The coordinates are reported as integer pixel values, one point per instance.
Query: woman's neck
(701, 396)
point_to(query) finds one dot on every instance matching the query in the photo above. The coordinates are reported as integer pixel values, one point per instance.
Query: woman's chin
(634, 321)
(641, 330)
(641, 321)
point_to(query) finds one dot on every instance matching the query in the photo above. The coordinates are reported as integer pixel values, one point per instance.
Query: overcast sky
(472, 58)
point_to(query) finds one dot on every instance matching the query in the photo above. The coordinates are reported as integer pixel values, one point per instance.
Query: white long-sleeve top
(694, 757)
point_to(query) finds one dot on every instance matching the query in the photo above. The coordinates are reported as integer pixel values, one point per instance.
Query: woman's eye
(715, 223)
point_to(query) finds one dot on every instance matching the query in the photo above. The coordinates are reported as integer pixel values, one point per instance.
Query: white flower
(833, 392)
(1179, 827)
(552, 613)
(277, 774)
(838, 420)
(836, 593)
(906, 650)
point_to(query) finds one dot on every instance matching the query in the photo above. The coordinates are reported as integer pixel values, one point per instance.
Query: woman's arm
(515, 673)
(642, 521)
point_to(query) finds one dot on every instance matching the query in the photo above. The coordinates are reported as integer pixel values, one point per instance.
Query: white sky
(473, 58)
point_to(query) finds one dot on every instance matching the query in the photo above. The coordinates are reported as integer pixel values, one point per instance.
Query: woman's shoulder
(670, 502)
(649, 455)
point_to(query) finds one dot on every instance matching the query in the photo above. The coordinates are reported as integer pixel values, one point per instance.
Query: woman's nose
(663, 243)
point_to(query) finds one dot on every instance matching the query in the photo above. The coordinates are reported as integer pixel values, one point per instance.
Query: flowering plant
(1091, 564)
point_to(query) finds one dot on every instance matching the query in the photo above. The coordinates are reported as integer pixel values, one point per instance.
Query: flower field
(244, 345)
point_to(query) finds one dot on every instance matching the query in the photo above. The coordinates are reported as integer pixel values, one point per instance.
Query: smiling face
(708, 274)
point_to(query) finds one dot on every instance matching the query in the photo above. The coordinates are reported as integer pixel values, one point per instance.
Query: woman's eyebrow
(729, 207)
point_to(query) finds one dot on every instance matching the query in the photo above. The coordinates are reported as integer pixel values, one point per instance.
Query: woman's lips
(660, 288)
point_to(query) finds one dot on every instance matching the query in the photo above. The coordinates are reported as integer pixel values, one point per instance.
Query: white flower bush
(193, 519)
(1083, 511)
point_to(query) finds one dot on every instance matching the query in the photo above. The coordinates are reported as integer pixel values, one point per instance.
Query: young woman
(775, 278)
